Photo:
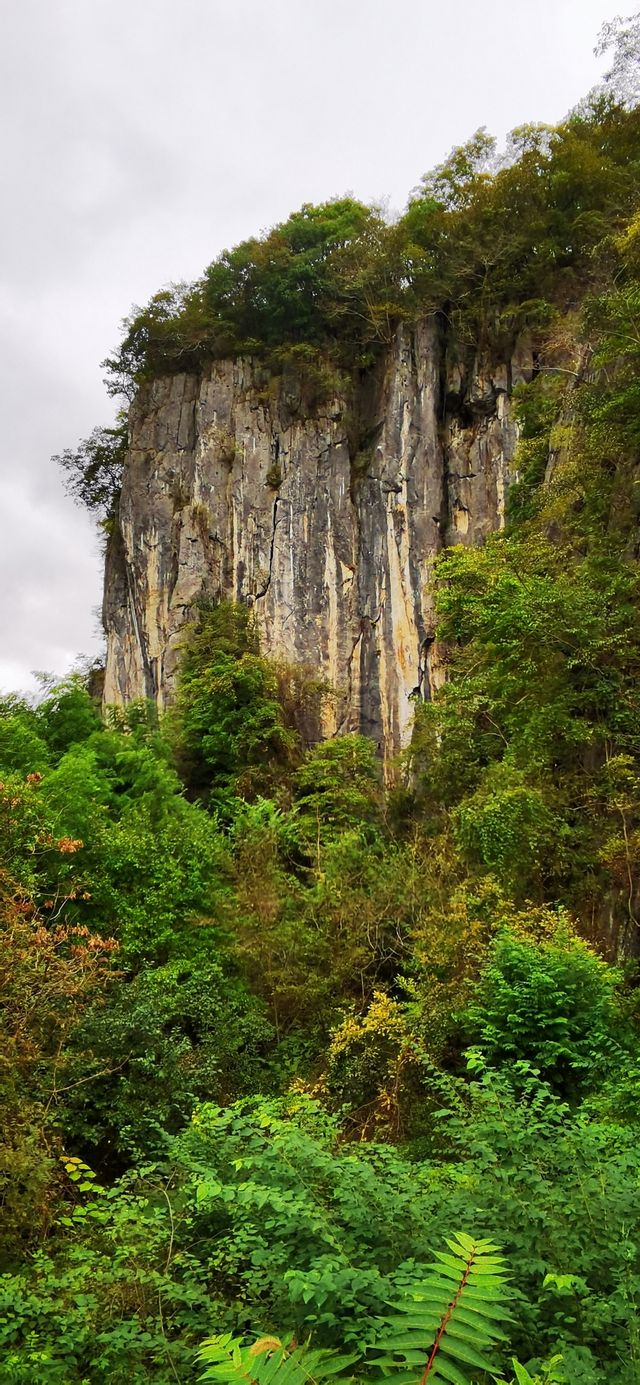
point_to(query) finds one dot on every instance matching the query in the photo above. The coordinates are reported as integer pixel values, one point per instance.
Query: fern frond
(447, 1329)
(444, 1330)
(268, 1362)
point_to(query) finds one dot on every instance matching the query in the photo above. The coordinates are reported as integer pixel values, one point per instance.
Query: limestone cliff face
(231, 493)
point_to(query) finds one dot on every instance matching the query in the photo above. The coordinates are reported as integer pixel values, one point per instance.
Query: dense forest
(306, 1076)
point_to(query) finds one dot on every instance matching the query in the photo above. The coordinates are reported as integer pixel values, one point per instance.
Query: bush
(552, 1004)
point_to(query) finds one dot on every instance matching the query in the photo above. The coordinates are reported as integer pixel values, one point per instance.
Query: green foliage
(381, 1076)
(512, 827)
(66, 715)
(451, 1321)
(228, 1361)
(536, 408)
(552, 1373)
(454, 184)
(22, 747)
(303, 1231)
(239, 976)
(319, 278)
(495, 244)
(34, 736)
(106, 1305)
(29, 845)
(523, 743)
(549, 626)
(177, 1034)
(338, 787)
(145, 859)
(448, 1324)
(93, 472)
(552, 1004)
(171, 333)
(233, 739)
(320, 927)
(266, 1215)
(519, 1147)
(291, 286)
(48, 979)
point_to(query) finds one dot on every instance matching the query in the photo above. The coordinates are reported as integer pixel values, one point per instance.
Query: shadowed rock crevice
(259, 595)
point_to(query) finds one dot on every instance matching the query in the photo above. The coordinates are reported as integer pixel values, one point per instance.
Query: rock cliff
(327, 522)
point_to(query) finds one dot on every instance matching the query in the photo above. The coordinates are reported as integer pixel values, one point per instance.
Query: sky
(142, 137)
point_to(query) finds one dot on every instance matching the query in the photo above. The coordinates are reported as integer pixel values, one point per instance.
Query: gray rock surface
(230, 492)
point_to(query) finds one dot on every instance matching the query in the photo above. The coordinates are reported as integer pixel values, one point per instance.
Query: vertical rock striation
(229, 492)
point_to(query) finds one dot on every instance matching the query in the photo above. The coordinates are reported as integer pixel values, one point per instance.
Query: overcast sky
(141, 137)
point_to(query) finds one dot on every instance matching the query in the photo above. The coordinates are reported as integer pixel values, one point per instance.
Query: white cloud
(141, 138)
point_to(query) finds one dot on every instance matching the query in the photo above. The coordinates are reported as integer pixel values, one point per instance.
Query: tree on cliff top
(93, 469)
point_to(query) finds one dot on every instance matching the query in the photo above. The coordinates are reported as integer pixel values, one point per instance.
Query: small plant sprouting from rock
(226, 448)
(274, 476)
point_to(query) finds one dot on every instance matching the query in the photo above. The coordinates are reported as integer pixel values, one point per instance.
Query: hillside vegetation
(346, 1080)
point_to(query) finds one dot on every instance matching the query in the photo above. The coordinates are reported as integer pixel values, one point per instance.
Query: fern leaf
(328, 1363)
(452, 1322)
(400, 1377)
(466, 1330)
(268, 1362)
(461, 1351)
(445, 1370)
